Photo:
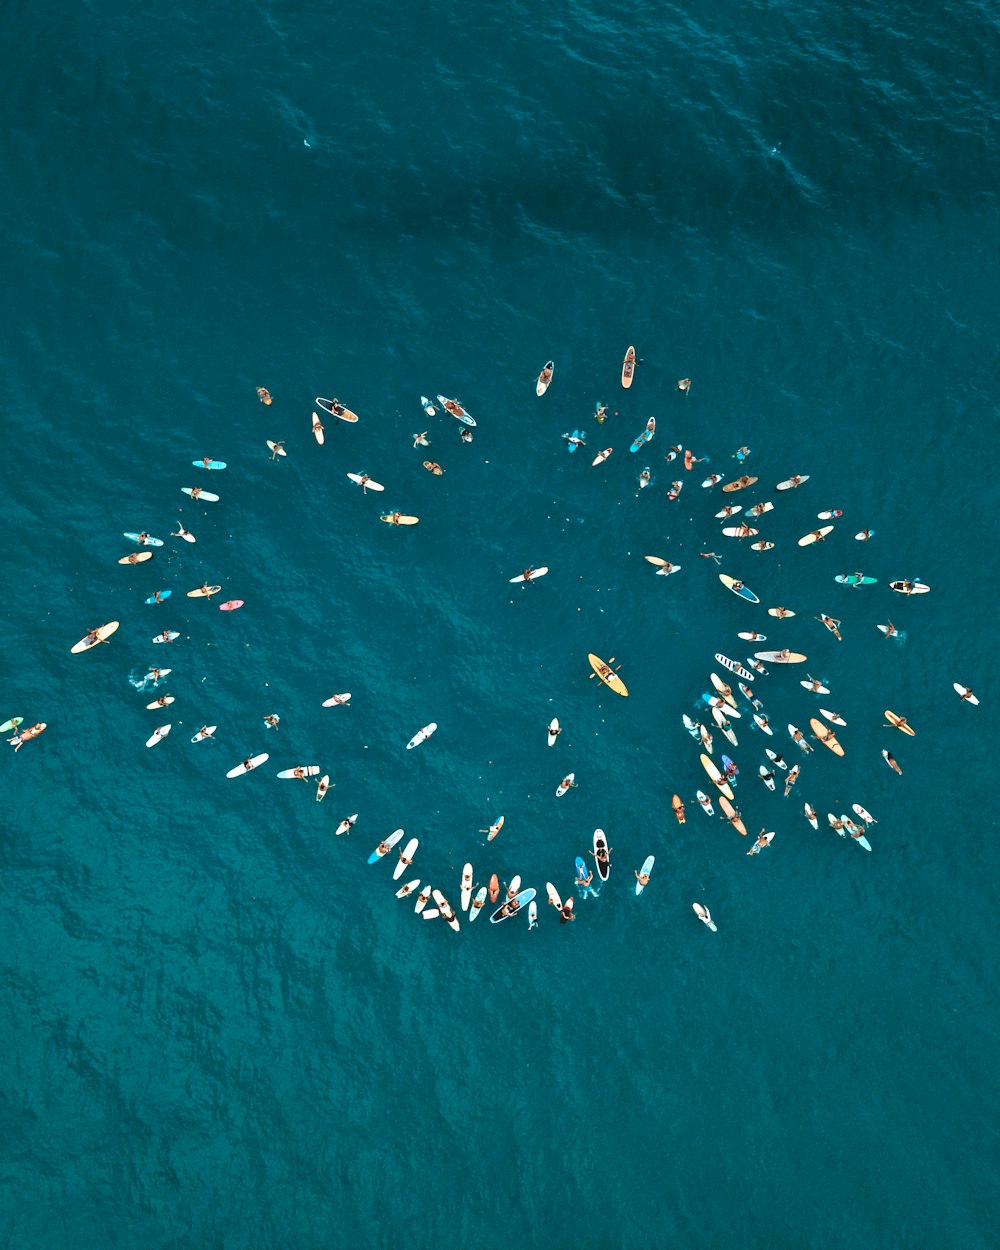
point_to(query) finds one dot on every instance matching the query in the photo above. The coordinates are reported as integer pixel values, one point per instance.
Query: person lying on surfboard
(832, 624)
(528, 573)
(465, 434)
(276, 449)
(583, 883)
(642, 878)
(601, 414)
(271, 721)
(421, 440)
(264, 394)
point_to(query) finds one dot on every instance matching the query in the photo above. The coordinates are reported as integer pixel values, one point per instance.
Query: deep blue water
(221, 1029)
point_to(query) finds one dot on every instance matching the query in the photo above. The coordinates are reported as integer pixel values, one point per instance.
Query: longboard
(197, 494)
(205, 463)
(833, 717)
(319, 434)
(158, 735)
(385, 846)
(310, 770)
(898, 722)
(607, 675)
(506, 911)
(790, 483)
(781, 657)
(466, 898)
(398, 518)
(902, 587)
(136, 537)
(628, 368)
(336, 409)
(103, 634)
(203, 592)
(137, 557)
(456, 410)
(644, 871)
(544, 378)
(405, 858)
(359, 478)
(826, 735)
(678, 807)
(534, 573)
(733, 667)
(731, 817)
(740, 483)
(737, 587)
(421, 736)
(231, 605)
(966, 693)
(815, 536)
(716, 777)
(740, 531)
(724, 689)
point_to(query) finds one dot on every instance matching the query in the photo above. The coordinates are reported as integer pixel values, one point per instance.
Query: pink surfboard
(231, 605)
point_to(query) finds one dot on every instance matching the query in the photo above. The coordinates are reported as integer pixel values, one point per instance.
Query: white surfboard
(164, 702)
(310, 770)
(553, 894)
(535, 573)
(445, 909)
(202, 734)
(790, 483)
(422, 899)
(964, 691)
(367, 484)
(554, 731)
(336, 700)
(405, 858)
(158, 735)
(766, 777)
(322, 786)
(565, 784)
(466, 898)
(407, 889)
(427, 406)
(705, 916)
(346, 825)
(168, 635)
(200, 495)
(421, 736)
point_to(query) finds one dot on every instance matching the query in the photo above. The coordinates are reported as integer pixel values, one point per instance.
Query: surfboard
(423, 898)
(11, 724)
(790, 483)
(565, 784)
(758, 509)
(505, 911)
(723, 688)
(310, 770)
(494, 888)
(706, 803)
(807, 685)
(865, 815)
(466, 898)
(825, 735)
(405, 890)
(346, 825)
(273, 446)
(750, 636)
(781, 613)
(453, 407)
(535, 573)
(713, 480)
(478, 903)
(815, 536)
(421, 735)
(861, 840)
(731, 816)
(582, 871)
(833, 717)
(780, 657)
(197, 494)
(163, 594)
(733, 667)
(553, 895)
(136, 537)
(737, 587)
(322, 786)
(209, 464)
(203, 592)
(678, 807)
(398, 518)
(765, 775)
(691, 726)
(385, 846)
(231, 605)
(801, 743)
(553, 731)
(168, 635)
(646, 436)
(898, 722)
(103, 634)
(762, 725)
(730, 711)
(158, 735)
(544, 378)
(762, 546)
(705, 916)
(965, 692)
(855, 579)
(359, 478)
(900, 587)
(532, 915)
(336, 409)
(137, 557)
(494, 829)
(740, 483)
(716, 777)
(602, 456)
(205, 733)
(628, 368)
(319, 433)
(811, 815)
(644, 871)
(862, 536)
(748, 694)
(601, 843)
(759, 846)
(740, 531)
(405, 856)
(163, 701)
(607, 675)
(337, 700)
(264, 395)
(574, 440)
(427, 406)
(156, 680)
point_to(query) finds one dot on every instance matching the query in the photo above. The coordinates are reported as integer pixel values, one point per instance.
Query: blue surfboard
(581, 870)
(209, 464)
(573, 446)
(522, 900)
(164, 594)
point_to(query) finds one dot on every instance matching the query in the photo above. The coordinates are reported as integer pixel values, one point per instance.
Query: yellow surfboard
(899, 722)
(103, 634)
(717, 777)
(607, 674)
(825, 735)
(397, 518)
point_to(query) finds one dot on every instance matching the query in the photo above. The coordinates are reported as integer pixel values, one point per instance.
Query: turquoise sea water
(221, 1028)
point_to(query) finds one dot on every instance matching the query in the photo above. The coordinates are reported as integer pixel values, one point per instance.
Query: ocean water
(221, 1028)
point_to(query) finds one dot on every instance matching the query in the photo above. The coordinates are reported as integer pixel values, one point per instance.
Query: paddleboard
(646, 436)
(310, 770)
(335, 408)
(628, 368)
(815, 536)
(159, 596)
(467, 887)
(791, 482)
(737, 587)
(705, 916)
(765, 775)
(203, 592)
(209, 464)
(706, 803)
(966, 693)
(553, 895)
(405, 890)
(565, 784)
(535, 573)
(554, 731)
(406, 858)
(231, 605)
(678, 807)
(163, 701)
(206, 732)
(914, 588)
(275, 448)
(359, 478)
(197, 493)
(607, 675)
(103, 634)
(421, 736)
(741, 483)
(731, 817)
(601, 843)
(145, 542)
(602, 456)
(457, 411)
(385, 846)
(423, 898)
(168, 635)
(338, 700)
(544, 378)
(158, 735)
(716, 777)
(478, 903)
(781, 657)
(137, 557)
(825, 735)
(733, 667)
(505, 912)
(398, 518)
(322, 786)
(319, 434)
(644, 871)
(898, 722)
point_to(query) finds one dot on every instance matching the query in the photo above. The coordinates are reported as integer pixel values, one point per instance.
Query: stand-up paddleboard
(99, 635)
(423, 898)
(646, 436)
(737, 587)
(825, 735)
(601, 456)
(833, 717)
(158, 735)
(751, 636)
(791, 482)
(535, 573)
(706, 803)
(137, 557)
(13, 723)
(346, 825)
(231, 605)
(766, 776)
(168, 635)
(865, 815)
(319, 434)
(159, 596)
(705, 916)
(276, 449)
(427, 406)
(554, 731)
(741, 483)
(966, 694)
(421, 736)
(678, 807)
(553, 895)
(205, 463)
(606, 674)
(815, 536)
(336, 409)
(337, 700)
(143, 540)
(203, 592)
(901, 587)
(758, 509)
(854, 579)
(740, 531)
(644, 871)
(898, 722)
(733, 667)
(164, 700)
(478, 903)
(405, 858)
(544, 378)
(307, 770)
(494, 829)
(716, 777)
(723, 688)
(567, 783)
(453, 407)
(513, 906)
(363, 480)
(628, 368)
(781, 657)
(732, 816)
(197, 493)
(385, 846)
(406, 890)
(322, 786)
(399, 518)
(206, 732)
(466, 898)
(601, 845)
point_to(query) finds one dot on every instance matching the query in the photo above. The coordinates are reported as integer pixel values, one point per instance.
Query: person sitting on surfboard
(92, 636)
(264, 394)
(300, 774)
(568, 783)
(465, 434)
(276, 449)
(421, 439)
(641, 877)
(162, 701)
(601, 413)
(432, 466)
(204, 732)
(684, 385)
(271, 721)
(601, 854)
(248, 764)
(165, 636)
(528, 573)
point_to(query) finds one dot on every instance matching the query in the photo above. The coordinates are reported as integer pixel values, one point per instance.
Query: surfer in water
(832, 625)
(641, 877)
(465, 434)
(263, 394)
(421, 439)
(300, 774)
(713, 555)
(742, 453)
(762, 840)
(276, 449)
(583, 883)
(566, 911)
(271, 721)
(432, 466)
(601, 413)
(684, 385)
(181, 532)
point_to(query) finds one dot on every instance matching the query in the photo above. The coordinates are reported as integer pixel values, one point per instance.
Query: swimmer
(276, 449)
(432, 466)
(421, 440)
(181, 532)
(264, 394)
(832, 624)
(272, 721)
(711, 555)
(566, 912)
(465, 434)
(675, 490)
(583, 883)
(684, 385)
